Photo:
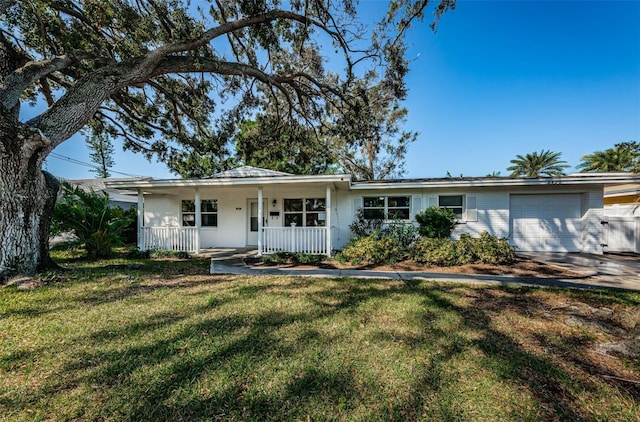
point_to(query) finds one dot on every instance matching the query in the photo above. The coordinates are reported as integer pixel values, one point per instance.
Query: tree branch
(71, 112)
(4, 5)
(18, 81)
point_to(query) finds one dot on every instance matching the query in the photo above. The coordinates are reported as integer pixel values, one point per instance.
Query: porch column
(198, 220)
(140, 219)
(328, 220)
(260, 211)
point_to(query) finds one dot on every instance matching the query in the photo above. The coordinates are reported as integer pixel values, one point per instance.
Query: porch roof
(341, 180)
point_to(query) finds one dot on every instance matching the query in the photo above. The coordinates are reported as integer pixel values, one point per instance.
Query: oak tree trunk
(27, 197)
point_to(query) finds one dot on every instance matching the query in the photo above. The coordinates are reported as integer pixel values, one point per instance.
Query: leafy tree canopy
(544, 163)
(367, 138)
(282, 146)
(624, 156)
(159, 74)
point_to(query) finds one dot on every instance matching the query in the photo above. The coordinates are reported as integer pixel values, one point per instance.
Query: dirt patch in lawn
(522, 267)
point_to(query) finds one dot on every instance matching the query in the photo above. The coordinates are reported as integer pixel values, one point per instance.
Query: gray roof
(98, 185)
(246, 171)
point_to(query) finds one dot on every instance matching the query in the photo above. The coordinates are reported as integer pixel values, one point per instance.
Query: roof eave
(267, 180)
(608, 179)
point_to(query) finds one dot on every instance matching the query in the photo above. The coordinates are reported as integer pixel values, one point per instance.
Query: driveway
(609, 270)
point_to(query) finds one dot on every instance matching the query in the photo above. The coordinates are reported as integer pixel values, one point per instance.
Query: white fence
(622, 234)
(170, 238)
(311, 240)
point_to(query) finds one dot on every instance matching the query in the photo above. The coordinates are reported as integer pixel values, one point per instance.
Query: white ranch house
(274, 211)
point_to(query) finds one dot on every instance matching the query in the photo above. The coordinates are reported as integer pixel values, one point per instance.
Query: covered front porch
(268, 211)
(310, 240)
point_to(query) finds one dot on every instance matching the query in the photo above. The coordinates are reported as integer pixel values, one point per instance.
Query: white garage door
(545, 222)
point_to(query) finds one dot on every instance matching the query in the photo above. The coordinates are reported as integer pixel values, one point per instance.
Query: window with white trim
(453, 202)
(208, 213)
(305, 212)
(386, 207)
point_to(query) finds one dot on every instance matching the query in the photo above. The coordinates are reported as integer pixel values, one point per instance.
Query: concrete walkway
(607, 273)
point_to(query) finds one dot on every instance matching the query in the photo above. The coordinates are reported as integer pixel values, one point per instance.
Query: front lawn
(163, 340)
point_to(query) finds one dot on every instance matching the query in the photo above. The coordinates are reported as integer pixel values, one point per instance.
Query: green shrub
(280, 258)
(157, 253)
(130, 231)
(276, 258)
(466, 249)
(436, 222)
(486, 249)
(432, 251)
(362, 227)
(138, 254)
(493, 250)
(163, 253)
(406, 234)
(90, 218)
(305, 258)
(374, 249)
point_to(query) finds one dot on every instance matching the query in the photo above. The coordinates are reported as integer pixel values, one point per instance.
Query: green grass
(163, 340)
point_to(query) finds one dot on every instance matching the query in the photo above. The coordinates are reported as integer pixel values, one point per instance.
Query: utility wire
(82, 163)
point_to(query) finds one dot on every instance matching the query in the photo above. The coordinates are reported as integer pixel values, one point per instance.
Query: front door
(252, 223)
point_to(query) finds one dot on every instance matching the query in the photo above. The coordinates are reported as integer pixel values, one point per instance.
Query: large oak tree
(153, 74)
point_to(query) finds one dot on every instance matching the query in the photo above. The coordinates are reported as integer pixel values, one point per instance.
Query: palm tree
(624, 156)
(545, 163)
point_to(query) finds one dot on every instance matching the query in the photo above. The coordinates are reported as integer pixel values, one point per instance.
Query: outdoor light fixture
(274, 203)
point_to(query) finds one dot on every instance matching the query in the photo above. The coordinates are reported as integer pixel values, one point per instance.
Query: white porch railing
(170, 238)
(311, 240)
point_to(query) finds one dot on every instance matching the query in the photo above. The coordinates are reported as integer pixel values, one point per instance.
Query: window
(387, 207)
(452, 202)
(208, 213)
(309, 212)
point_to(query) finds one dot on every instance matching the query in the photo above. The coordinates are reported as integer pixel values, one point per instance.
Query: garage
(546, 222)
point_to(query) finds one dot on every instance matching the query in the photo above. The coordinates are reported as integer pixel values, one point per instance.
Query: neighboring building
(272, 211)
(625, 194)
(117, 197)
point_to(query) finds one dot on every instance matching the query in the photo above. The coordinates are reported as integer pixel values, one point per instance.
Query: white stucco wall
(492, 204)
(492, 207)
(492, 210)
(493, 215)
(233, 218)
(161, 210)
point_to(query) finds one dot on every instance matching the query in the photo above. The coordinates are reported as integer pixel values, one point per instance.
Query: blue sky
(498, 79)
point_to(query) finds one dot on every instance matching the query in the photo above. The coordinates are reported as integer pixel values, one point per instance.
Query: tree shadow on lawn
(239, 365)
(557, 390)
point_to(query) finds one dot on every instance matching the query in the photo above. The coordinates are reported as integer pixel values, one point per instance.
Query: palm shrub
(90, 218)
(436, 222)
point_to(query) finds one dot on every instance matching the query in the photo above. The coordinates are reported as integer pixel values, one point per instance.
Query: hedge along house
(274, 211)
